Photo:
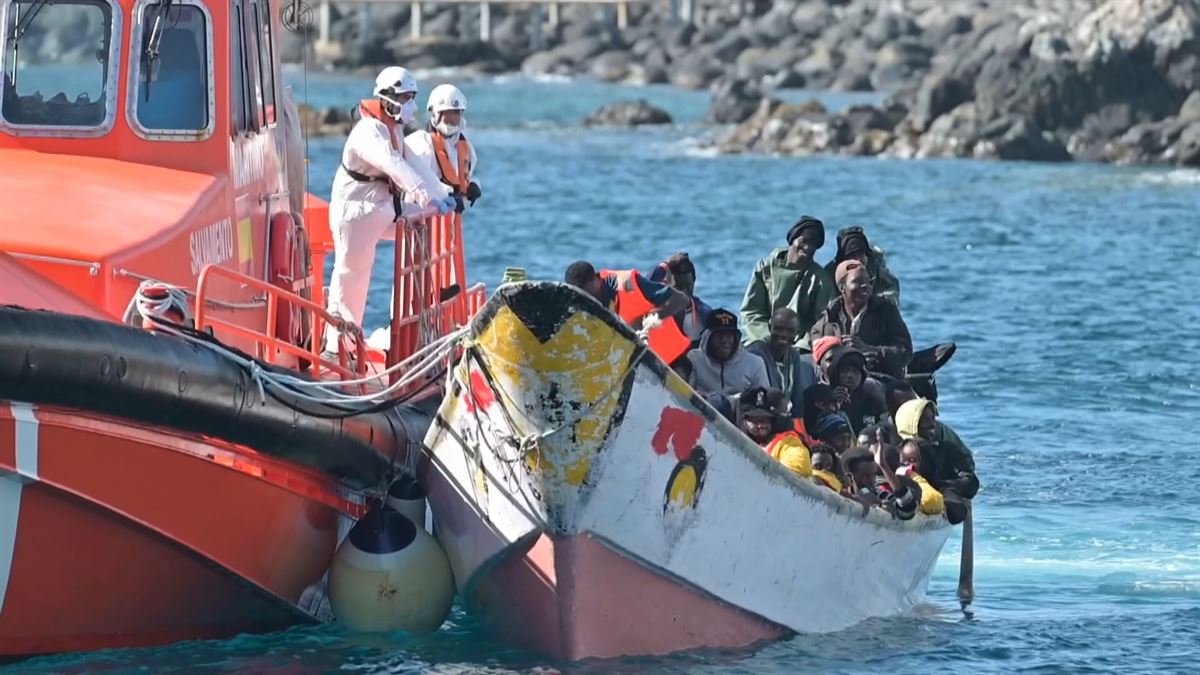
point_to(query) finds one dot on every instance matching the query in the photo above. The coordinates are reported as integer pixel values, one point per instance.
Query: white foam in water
(1172, 177)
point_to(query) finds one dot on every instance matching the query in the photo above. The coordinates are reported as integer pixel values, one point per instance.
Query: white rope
(264, 378)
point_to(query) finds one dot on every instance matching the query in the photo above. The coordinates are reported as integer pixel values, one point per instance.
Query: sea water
(1072, 291)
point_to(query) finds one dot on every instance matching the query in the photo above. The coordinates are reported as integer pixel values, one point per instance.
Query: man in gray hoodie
(721, 365)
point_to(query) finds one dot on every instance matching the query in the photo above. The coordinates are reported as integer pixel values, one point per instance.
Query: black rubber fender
(163, 380)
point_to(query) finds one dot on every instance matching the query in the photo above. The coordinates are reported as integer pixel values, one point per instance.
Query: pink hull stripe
(576, 598)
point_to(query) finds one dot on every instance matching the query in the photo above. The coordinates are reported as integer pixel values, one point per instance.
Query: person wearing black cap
(852, 244)
(789, 277)
(721, 364)
(760, 418)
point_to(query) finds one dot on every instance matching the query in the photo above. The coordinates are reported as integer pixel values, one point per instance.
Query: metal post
(324, 21)
(622, 15)
(485, 21)
(364, 29)
(537, 40)
(553, 7)
(414, 25)
(685, 10)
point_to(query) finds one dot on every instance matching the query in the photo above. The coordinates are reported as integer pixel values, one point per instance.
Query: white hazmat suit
(361, 212)
(443, 98)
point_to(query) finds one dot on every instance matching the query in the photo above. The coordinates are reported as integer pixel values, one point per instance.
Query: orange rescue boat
(147, 493)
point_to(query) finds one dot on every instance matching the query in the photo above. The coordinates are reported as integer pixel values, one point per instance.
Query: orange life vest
(665, 339)
(373, 108)
(458, 179)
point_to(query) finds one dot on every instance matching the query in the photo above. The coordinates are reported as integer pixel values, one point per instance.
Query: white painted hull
(573, 440)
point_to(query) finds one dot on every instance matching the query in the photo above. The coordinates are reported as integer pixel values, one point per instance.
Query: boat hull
(114, 535)
(569, 464)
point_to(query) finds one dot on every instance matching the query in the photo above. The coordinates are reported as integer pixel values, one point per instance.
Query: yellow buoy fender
(408, 497)
(390, 575)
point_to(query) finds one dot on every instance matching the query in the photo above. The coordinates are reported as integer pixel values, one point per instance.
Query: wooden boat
(148, 491)
(592, 505)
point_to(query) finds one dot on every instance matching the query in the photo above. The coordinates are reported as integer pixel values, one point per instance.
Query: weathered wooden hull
(593, 506)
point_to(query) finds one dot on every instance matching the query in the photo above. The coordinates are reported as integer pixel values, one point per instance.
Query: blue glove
(446, 206)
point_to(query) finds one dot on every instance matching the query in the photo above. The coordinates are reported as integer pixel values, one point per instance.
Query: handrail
(268, 343)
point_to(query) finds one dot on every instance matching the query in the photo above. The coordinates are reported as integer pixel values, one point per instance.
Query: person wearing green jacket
(852, 244)
(789, 277)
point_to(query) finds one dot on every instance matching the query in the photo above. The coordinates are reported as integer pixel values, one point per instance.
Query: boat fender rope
(256, 376)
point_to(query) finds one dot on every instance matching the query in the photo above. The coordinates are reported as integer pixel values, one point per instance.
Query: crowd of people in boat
(813, 370)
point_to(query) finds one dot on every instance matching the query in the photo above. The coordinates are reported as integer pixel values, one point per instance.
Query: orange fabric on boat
(666, 339)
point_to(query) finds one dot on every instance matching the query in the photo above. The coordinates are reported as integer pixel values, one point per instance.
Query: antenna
(297, 16)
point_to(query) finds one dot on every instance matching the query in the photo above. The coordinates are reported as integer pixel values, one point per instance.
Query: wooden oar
(966, 565)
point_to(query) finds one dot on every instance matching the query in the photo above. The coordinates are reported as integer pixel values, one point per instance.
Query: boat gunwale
(714, 420)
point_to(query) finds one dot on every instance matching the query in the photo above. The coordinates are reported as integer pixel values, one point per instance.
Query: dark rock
(810, 19)
(887, 26)
(938, 95)
(1023, 140)
(612, 66)
(1190, 110)
(863, 118)
(899, 62)
(545, 63)
(1187, 149)
(694, 72)
(1110, 121)
(734, 101)
(580, 50)
(818, 68)
(628, 114)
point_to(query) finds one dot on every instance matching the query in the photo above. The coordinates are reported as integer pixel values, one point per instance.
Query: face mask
(446, 128)
(408, 113)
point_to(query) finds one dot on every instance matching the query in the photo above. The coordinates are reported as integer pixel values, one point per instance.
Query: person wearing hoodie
(866, 322)
(949, 468)
(789, 277)
(899, 392)
(861, 397)
(852, 244)
(679, 272)
(721, 364)
(932, 503)
(788, 369)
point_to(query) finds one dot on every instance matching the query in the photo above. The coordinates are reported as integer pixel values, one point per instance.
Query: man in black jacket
(865, 322)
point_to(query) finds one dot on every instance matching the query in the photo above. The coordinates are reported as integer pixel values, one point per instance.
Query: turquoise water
(1071, 291)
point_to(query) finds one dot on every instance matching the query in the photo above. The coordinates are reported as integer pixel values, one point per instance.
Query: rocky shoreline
(1050, 80)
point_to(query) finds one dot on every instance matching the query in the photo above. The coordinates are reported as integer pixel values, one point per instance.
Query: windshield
(57, 63)
(173, 68)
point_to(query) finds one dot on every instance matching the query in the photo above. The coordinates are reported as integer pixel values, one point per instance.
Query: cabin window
(58, 65)
(173, 71)
(238, 80)
(266, 62)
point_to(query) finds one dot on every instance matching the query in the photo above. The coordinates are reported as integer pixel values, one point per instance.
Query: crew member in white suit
(444, 147)
(379, 179)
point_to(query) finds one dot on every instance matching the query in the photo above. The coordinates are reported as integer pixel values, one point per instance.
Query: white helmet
(395, 79)
(446, 97)
(390, 83)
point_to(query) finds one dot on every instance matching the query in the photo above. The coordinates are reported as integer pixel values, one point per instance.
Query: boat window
(240, 98)
(58, 63)
(173, 69)
(266, 64)
(253, 72)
